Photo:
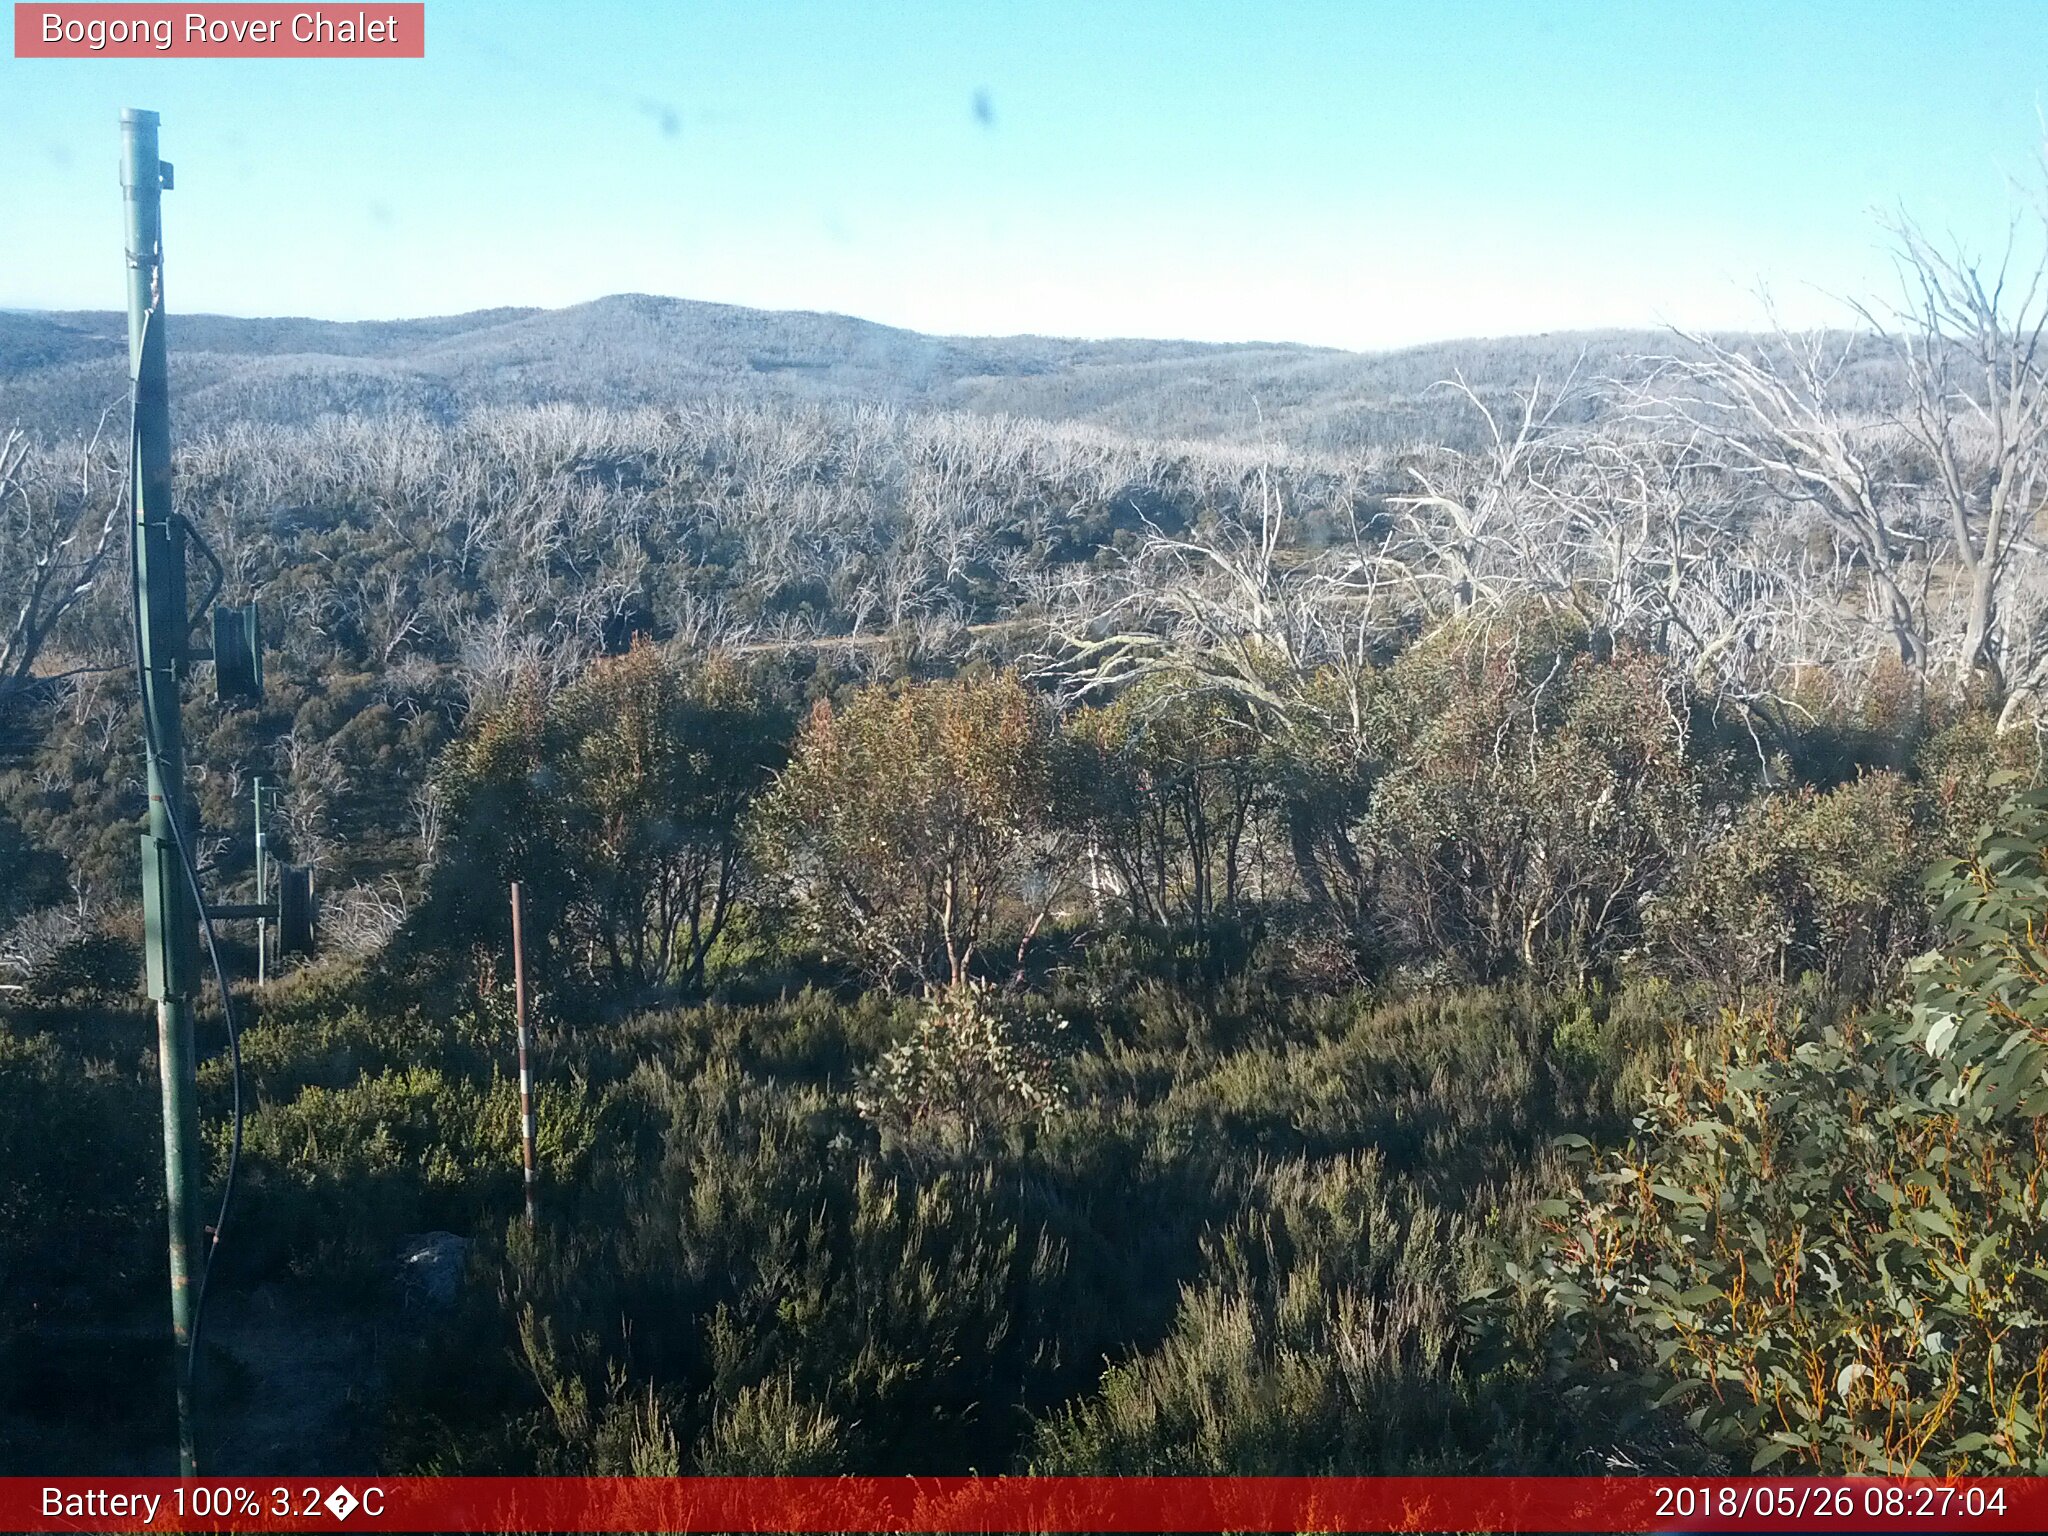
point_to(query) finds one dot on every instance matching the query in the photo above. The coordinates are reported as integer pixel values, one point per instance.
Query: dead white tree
(1773, 413)
(1222, 612)
(56, 536)
(1968, 339)
(1469, 530)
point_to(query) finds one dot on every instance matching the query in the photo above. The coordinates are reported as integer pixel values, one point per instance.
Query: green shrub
(1172, 785)
(1535, 796)
(617, 801)
(1323, 1337)
(1826, 1243)
(333, 1177)
(1803, 881)
(1966, 771)
(80, 1176)
(978, 1063)
(769, 1430)
(920, 824)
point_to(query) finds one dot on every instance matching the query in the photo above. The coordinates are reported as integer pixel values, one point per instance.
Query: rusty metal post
(525, 1056)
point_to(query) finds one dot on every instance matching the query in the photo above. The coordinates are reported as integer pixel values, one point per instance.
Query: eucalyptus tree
(919, 824)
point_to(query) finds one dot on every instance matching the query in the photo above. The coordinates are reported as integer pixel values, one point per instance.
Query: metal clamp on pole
(292, 911)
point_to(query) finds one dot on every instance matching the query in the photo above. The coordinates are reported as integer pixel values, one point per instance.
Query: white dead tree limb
(1654, 543)
(363, 918)
(1220, 612)
(1774, 414)
(1968, 339)
(1615, 530)
(39, 937)
(56, 536)
(1467, 531)
(1237, 609)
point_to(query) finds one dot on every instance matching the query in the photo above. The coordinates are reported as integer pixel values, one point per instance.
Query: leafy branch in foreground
(1827, 1242)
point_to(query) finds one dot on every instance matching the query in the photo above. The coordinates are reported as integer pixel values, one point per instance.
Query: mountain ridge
(60, 369)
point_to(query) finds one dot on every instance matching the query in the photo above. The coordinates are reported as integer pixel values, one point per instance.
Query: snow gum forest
(1090, 907)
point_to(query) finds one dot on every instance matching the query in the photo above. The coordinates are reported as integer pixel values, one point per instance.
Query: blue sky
(1361, 174)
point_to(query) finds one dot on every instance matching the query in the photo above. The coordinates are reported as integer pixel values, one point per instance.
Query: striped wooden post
(525, 1056)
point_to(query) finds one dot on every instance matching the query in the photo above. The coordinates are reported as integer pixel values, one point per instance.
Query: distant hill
(59, 371)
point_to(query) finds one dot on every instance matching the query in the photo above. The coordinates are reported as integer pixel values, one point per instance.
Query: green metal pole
(170, 940)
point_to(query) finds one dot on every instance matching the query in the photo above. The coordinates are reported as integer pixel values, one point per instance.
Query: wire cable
(173, 793)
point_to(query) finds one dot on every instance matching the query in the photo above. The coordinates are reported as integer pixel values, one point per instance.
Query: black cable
(173, 794)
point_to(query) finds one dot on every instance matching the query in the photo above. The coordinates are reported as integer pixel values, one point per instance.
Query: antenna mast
(170, 916)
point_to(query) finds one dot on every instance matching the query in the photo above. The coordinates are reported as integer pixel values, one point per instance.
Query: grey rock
(430, 1267)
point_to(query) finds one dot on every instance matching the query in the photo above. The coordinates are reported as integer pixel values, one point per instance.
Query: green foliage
(782, 1285)
(506, 802)
(1172, 785)
(335, 1176)
(977, 1063)
(79, 1174)
(665, 763)
(1827, 1242)
(1804, 881)
(1534, 797)
(760, 1282)
(768, 1430)
(1980, 1005)
(617, 802)
(1323, 1336)
(919, 822)
(1967, 770)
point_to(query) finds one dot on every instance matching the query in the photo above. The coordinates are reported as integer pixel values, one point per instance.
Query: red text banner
(1049, 1504)
(235, 31)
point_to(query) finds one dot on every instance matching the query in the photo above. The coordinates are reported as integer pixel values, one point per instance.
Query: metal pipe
(238, 911)
(171, 924)
(526, 1126)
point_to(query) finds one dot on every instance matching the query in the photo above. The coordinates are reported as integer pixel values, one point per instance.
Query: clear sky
(1358, 174)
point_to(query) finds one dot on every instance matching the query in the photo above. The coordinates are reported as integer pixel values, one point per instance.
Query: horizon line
(522, 311)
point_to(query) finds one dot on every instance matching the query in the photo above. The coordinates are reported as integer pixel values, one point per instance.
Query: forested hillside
(58, 372)
(1113, 907)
